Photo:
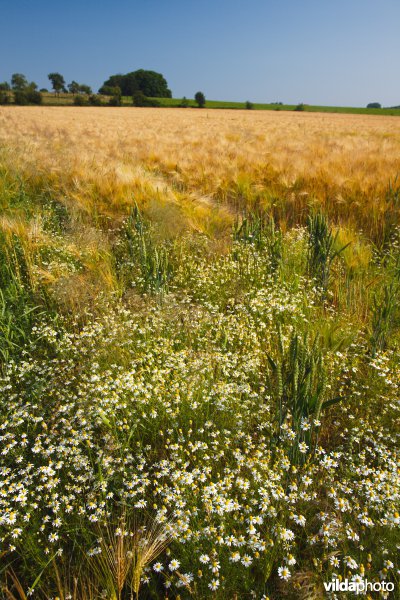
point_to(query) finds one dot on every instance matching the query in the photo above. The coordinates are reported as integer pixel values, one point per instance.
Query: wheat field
(199, 353)
(231, 159)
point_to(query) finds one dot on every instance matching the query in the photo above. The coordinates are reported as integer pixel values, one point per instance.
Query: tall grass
(322, 250)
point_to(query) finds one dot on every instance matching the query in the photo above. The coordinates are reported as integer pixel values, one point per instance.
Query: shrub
(374, 105)
(300, 107)
(184, 102)
(34, 97)
(249, 105)
(20, 98)
(114, 101)
(4, 98)
(95, 100)
(139, 99)
(80, 101)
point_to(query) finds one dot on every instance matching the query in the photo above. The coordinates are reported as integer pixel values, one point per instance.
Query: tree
(150, 83)
(57, 81)
(374, 105)
(85, 89)
(200, 99)
(73, 87)
(24, 92)
(249, 105)
(79, 88)
(32, 86)
(184, 102)
(18, 82)
(109, 90)
(5, 86)
(115, 81)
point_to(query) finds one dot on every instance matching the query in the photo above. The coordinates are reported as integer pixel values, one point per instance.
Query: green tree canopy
(57, 81)
(18, 82)
(85, 89)
(73, 87)
(200, 99)
(150, 83)
(79, 88)
(108, 90)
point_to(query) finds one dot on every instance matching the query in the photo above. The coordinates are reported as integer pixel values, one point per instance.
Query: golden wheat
(195, 165)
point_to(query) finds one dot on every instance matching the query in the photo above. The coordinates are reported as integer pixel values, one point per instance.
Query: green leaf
(332, 401)
(272, 363)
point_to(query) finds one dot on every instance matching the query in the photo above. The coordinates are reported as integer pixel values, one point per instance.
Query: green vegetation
(200, 99)
(149, 83)
(213, 415)
(148, 88)
(175, 102)
(111, 96)
(57, 81)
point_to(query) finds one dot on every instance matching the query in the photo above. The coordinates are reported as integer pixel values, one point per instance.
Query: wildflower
(303, 447)
(16, 532)
(305, 424)
(284, 573)
(335, 562)
(204, 558)
(299, 520)
(234, 557)
(286, 534)
(246, 560)
(215, 566)
(174, 564)
(214, 585)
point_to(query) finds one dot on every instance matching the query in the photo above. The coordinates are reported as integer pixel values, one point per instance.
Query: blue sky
(344, 52)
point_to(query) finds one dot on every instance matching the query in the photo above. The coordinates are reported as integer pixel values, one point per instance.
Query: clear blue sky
(342, 52)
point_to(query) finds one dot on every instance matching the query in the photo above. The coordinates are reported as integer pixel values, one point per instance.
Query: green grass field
(50, 99)
(173, 102)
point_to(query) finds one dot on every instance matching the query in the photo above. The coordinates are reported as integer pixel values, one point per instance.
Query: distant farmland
(51, 99)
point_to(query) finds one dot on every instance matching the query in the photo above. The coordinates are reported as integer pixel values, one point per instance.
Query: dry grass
(193, 167)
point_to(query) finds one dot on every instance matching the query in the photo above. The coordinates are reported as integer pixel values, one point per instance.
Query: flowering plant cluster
(212, 440)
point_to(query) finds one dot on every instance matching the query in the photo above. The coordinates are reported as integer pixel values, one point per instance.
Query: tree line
(142, 86)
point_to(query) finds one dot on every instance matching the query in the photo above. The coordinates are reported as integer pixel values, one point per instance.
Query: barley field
(199, 353)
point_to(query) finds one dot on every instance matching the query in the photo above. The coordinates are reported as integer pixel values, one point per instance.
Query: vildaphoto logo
(359, 586)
